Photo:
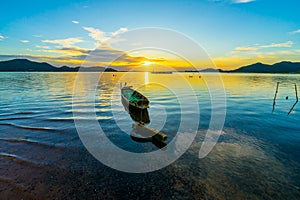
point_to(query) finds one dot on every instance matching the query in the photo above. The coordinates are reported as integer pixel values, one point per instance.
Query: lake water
(41, 155)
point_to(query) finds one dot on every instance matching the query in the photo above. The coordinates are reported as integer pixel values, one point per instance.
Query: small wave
(29, 127)
(60, 119)
(13, 118)
(6, 114)
(20, 160)
(81, 111)
(18, 113)
(32, 142)
(25, 112)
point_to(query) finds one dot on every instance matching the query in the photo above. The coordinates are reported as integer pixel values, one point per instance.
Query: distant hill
(210, 70)
(24, 65)
(202, 70)
(281, 67)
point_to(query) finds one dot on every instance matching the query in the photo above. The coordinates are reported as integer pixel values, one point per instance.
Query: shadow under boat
(140, 132)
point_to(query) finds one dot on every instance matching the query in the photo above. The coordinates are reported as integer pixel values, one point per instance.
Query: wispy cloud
(68, 42)
(116, 58)
(242, 1)
(75, 22)
(24, 41)
(104, 38)
(121, 30)
(67, 51)
(74, 56)
(1, 37)
(96, 34)
(258, 47)
(231, 1)
(281, 53)
(246, 48)
(285, 44)
(42, 47)
(295, 32)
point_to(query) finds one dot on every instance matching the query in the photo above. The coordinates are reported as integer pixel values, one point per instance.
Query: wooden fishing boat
(137, 114)
(131, 97)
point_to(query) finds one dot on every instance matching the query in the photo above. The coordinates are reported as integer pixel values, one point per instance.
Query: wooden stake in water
(296, 99)
(274, 101)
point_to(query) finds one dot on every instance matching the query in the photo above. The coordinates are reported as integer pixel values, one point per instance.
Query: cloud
(75, 22)
(67, 51)
(1, 37)
(42, 47)
(121, 30)
(107, 55)
(64, 42)
(104, 39)
(281, 53)
(96, 34)
(24, 41)
(76, 56)
(295, 32)
(258, 47)
(231, 1)
(246, 49)
(242, 1)
(285, 44)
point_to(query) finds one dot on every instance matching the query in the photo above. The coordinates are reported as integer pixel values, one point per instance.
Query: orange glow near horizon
(163, 63)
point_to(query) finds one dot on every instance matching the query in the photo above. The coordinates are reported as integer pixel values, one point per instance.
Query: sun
(147, 63)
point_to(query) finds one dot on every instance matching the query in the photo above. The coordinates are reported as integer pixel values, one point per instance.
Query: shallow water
(41, 155)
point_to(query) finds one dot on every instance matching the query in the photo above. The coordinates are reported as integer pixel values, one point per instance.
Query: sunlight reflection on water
(258, 153)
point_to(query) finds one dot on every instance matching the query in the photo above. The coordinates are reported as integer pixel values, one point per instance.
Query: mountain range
(21, 65)
(281, 67)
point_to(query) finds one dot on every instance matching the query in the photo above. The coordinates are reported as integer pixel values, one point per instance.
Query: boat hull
(133, 98)
(136, 114)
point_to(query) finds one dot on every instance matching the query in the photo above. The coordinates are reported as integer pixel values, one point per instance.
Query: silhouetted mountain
(281, 67)
(24, 65)
(210, 70)
(96, 69)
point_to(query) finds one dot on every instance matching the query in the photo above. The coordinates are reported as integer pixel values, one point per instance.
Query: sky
(233, 33)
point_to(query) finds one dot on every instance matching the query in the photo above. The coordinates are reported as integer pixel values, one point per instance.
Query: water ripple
(21, 160)
(30, 127)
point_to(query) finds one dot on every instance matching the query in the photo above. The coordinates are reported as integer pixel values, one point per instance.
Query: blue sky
(233, 32)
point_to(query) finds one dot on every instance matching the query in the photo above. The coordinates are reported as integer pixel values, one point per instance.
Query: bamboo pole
(296, 99)
(274, 101)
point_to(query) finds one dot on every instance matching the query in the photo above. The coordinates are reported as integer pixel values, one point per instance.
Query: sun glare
(147, 63)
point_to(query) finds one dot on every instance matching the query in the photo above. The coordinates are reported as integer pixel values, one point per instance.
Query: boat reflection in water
(140, 132)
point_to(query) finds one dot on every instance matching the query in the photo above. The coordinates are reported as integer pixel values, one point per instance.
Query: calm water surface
(41, 155)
